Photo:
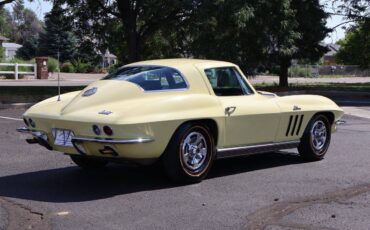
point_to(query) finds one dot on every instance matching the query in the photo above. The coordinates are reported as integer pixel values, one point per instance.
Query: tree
(4, 2)
(355, 10)
(255, 34)
(5, 25)
(86, 52)
(29, 49)
(310, 19)
(57, 36)
(260, 34)
(140, 19)
(25, 23)
(20, 24)
(355, 46)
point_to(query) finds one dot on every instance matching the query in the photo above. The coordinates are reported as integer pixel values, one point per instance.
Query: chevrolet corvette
(185, 113)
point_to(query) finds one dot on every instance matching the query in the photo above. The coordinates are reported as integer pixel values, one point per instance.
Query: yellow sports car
(185, 112)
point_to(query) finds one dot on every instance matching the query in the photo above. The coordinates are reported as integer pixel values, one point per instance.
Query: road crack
(23, 217)
(274, 214)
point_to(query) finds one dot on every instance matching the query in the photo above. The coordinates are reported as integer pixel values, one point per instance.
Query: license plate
(63, 137)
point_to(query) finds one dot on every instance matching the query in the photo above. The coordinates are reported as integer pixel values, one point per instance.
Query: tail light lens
(25, 121)
(96, 129)
(32, 123)
(108, 130)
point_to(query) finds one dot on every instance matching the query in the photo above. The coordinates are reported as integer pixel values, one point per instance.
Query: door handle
(229, 110)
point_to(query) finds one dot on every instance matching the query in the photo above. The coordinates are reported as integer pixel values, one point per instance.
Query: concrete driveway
(44, 190)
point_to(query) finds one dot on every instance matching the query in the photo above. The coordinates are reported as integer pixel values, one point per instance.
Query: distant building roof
(333, 49)
(109, 54)
(3, 38)
(11, 45)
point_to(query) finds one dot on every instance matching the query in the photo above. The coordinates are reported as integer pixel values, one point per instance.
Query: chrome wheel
(194, 151)
(318, 135)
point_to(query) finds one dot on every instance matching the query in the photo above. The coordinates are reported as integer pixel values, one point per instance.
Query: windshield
(150, 78)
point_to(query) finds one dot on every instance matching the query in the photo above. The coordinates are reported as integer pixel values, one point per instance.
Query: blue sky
(41, 7)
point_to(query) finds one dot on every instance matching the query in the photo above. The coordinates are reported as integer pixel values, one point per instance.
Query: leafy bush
(114, 67)
(297, 71)
(53, 65)
(92, 69)
(80, 67)
(68, 68)
(2, 53)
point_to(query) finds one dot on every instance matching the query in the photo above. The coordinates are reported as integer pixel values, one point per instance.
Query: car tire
(316, 139)
(189, 154)
(88, 162)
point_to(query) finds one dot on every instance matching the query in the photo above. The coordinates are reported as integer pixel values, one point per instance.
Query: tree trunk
(133, 45)
(283, 75)
(128, 17)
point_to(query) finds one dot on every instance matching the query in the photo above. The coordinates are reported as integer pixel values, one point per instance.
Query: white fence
(16, 71)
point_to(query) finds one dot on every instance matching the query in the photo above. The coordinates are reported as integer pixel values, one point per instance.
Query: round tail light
(32, 123)
(108, 130)
(96, 129)
(25, 121)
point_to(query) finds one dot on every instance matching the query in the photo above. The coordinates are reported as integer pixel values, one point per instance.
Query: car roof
(181, 62)
(189, 68)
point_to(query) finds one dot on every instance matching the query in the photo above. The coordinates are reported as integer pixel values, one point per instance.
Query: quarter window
(227, 81)
(150, 78)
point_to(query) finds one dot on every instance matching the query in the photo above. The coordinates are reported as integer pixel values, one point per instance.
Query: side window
(227, 81)
(150, 78)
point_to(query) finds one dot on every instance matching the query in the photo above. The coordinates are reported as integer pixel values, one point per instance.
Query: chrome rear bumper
(113, 141)
(42, 139)
(106, 142)
(38, 137)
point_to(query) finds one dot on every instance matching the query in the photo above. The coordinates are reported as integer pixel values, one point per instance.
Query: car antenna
(58, 77)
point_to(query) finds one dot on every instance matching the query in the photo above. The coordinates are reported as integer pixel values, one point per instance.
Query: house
(109, 59)
(3, 39)
(329, 57)
(10, 48)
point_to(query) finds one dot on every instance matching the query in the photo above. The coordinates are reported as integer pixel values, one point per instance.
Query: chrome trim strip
(264, 93)
(40, 136)
(253, 149)
(24, 130)
(113, 141)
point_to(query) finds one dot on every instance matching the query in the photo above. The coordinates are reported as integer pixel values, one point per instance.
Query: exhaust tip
(108, 151)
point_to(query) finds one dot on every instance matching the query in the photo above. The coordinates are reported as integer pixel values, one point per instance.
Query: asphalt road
(44, 190)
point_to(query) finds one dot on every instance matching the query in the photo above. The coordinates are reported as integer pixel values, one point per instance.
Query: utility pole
(58, 77)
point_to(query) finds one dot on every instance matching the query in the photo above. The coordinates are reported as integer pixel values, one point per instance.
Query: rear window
(150, 78)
